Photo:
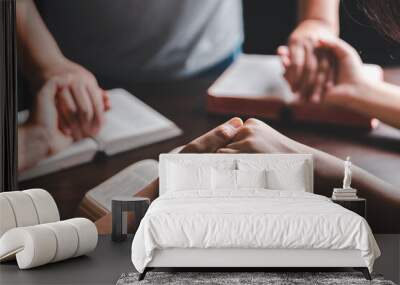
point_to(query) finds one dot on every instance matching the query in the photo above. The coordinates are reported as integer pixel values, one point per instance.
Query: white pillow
(293, 179)
(224, 179)
(251, 178)
(188, 177)
(281, 174)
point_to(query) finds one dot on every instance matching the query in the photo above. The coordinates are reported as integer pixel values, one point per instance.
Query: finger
(255, 122)
(283, 51)
(69, 113)
(96, 99)
(307, 82)
(340, 48)
(322, 75)
(295, 68)
(63, 125)
(63, 109)
(85, 108)
(214, 139)
(319, 82)
(106, 100)
(242, 146)
(227, 150)
(330, 77)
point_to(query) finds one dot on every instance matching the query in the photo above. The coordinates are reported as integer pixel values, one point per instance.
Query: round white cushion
(33, 246)
(7, 218)
(26, 208)
(66, 238)
(23, 208)
(40, 244)
(87, 234)
(45, 205)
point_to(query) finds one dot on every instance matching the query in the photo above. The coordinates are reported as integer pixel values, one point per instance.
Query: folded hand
(257, 137)
(307, 69)
(80, 101)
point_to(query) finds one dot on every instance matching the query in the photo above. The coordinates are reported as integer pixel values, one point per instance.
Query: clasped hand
(234, 136)
(320, 67)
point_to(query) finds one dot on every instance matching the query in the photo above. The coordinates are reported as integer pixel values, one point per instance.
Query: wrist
(318, 24)
(42, 72)
(49, 70)
(363, 90)
(363, 96)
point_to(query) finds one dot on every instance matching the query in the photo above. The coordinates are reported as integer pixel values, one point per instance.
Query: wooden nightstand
(358, 206)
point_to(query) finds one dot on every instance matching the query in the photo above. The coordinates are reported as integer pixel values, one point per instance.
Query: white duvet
(250, 219)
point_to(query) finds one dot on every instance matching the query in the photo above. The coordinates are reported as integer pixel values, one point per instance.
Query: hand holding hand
(307, 69)
(80, 101)
(350, 78)
(40, 135)
(257, 137)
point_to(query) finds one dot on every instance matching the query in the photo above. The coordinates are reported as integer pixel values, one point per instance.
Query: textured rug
(232, 278)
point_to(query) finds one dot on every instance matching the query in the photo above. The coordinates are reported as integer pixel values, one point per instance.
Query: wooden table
(184, 103)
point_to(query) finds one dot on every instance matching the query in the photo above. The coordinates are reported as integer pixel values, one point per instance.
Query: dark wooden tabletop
(111, 259)
(184, 103)
(104, 265)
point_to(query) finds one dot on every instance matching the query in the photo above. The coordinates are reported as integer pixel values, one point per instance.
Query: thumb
(214, 139)
(283, 53)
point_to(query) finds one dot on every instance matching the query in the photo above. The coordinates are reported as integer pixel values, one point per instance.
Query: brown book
(127, 182)
(254, 86)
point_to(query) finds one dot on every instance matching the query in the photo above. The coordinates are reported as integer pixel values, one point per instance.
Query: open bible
(97, 201)
(129, 124)
(254, 86)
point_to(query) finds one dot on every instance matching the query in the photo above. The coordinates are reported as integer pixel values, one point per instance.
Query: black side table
(120, 207)
(358, 205)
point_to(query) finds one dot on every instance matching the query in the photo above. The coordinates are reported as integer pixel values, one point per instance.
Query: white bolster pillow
(24, 211)
(7, 219)
(40, 244)
(26, 208)
(46, 207)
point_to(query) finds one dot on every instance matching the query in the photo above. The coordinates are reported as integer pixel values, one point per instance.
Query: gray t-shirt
(145, 39)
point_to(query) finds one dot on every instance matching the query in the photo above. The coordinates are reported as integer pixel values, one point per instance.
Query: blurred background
(267, 24)
(277, 19)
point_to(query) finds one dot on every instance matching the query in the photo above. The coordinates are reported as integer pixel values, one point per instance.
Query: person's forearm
(380, 100)
(38, 48)
(326, 11)
(328, 173)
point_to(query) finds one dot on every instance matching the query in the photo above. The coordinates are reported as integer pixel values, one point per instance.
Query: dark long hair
(385, 15)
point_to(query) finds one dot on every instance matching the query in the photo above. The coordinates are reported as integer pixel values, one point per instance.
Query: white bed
(229, 222)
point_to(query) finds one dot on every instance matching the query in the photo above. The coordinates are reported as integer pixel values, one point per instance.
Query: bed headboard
(231, 161)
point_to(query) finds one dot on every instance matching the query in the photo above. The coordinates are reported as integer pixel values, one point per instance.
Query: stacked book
(344, 194)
